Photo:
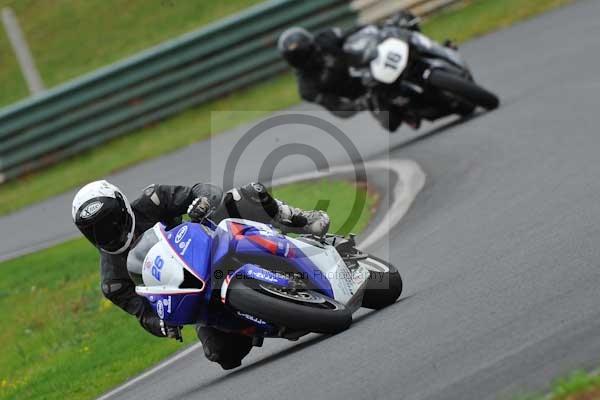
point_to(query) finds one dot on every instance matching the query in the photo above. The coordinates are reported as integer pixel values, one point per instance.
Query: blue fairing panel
(192, 243)
(246, 238)
(178, 308)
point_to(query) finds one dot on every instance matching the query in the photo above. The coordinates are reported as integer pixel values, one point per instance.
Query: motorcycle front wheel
(298, 310)
(384, 285)
(463, 88)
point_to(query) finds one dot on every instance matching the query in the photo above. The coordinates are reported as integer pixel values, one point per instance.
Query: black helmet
(296, 45)
(102, 213)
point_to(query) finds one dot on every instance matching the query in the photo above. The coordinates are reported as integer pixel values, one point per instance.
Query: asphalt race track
(500, 252)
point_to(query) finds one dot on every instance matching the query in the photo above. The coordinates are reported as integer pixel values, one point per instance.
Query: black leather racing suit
(325, 79)
(166, 204)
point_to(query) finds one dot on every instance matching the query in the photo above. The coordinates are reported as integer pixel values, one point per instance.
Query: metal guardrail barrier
(164, 80)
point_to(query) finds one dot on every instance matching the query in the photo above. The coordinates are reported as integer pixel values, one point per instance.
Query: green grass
(339, 194)
(474, 18)
(471, 19)
(68, 38)
(576, 386)
(61, 339)
(579, 385)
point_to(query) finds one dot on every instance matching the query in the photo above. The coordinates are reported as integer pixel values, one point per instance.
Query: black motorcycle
(412, 77)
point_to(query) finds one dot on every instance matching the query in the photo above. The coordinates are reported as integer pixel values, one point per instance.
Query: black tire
(384, 285)
(251, 297)
(463, 88)
(466, 109)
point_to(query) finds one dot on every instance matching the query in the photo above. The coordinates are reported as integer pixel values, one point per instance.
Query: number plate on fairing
(391, 60)
(162, 267)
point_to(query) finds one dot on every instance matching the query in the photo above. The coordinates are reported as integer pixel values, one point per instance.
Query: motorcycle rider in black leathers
(323, 74)
(106, 218)
(321, 71)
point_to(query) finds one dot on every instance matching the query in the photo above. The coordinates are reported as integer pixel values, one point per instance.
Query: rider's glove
(171, 331)
(199, 209)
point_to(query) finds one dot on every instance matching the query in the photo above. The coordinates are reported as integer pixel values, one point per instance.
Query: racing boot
(225, 348)
(295, 220)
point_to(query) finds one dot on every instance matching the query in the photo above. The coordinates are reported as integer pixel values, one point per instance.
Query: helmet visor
(296, 45)
(109, 231)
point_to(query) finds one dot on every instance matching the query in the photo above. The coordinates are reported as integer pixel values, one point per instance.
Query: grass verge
(473, 18)
(106, 31)
(469, 19)
(579, 385)
(62, 339)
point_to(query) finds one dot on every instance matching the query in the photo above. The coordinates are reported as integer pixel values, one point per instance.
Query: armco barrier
(166, 79)
(154, 84)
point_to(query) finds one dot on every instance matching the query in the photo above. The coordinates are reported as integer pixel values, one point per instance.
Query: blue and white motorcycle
(247, 277)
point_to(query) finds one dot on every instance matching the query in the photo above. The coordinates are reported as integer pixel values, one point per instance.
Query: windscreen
(361, 47)
(135, 259)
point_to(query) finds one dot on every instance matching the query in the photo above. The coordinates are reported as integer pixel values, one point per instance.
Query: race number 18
(392, 60)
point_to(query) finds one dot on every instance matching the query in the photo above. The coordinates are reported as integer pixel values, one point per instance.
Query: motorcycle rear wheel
(302, 310)
(463, 88)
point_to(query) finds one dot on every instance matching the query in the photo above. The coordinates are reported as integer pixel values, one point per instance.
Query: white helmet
(102, 213)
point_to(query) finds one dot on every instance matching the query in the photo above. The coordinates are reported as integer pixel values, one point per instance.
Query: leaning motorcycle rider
(112, 224)
(322, 71)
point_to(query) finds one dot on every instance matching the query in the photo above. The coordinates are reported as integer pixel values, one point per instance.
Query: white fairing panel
(391, 60)
(162, 266)
(345, 283)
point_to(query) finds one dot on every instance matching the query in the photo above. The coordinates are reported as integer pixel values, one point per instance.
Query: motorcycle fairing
(391, 61)
(197, 258)
(165, 266)
(176, 306)
(360, 48)
(322, 267)
(345, 284)
(435, 51)
(243, 238)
